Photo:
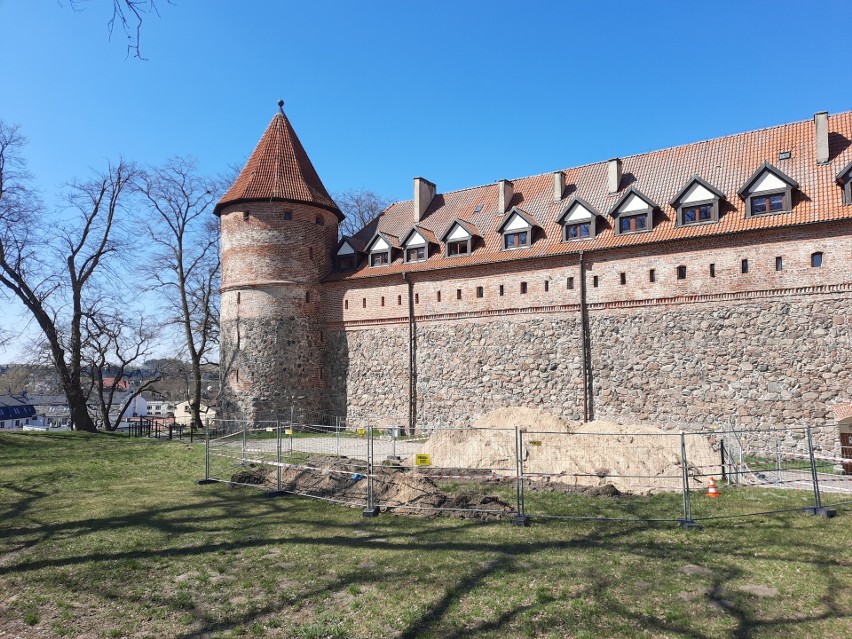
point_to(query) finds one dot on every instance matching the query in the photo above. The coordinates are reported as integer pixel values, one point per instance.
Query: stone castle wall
(768, 361)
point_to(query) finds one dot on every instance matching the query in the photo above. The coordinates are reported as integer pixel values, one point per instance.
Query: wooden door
(846, 452)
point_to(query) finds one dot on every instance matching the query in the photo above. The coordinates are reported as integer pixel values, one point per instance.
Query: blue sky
(462, 93)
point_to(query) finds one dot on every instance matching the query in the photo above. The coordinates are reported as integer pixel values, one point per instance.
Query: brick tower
(279, 230)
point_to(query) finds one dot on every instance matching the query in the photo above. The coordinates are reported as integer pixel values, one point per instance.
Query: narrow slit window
(744, 266)
(546, 285)
(622, 278)
(501, 290)
(681, 272)
(652, 276)
(779, 263)
(238, 297)
(307, 296)
(363, 302)
(816, 260)
(399, 300)
(523, 288)
(439, 296)
(417, 298)
(383, 300)
(570, 283)
(595, 281)
(345, 305)
(480, 292)
(712, 270)
(458, 293)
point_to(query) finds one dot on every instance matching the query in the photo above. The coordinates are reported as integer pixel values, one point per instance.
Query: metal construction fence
(524, 474)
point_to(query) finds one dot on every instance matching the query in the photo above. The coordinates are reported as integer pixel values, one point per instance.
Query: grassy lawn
(103, 536)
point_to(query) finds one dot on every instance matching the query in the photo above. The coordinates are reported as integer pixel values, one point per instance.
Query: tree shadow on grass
(217, 522)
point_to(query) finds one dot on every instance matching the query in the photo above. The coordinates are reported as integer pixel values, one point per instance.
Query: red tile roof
(726, 163)
(279, 170)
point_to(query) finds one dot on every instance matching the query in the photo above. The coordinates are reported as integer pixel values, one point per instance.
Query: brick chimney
(504, 196)
(613, 175)
(821, 128)
(424, 193)
(558, 185)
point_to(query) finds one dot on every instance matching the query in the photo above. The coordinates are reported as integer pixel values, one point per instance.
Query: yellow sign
(362, 431)
(288, 431)
(422, 460)
(535, 442)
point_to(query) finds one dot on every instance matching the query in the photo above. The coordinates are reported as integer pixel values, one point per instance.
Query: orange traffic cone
(712, 491)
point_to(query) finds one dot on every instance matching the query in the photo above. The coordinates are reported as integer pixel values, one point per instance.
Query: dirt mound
(524, 418)
(343, 480)
(633, 458)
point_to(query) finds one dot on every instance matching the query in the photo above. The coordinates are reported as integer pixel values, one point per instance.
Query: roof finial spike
(281, 107)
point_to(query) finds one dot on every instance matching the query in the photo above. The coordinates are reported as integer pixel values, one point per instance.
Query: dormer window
(380, 249)
(458, 248)
(458, 239)
(416, 254)
(516, 240)
(346, 257)
(633, 213)
(768, 191)
(416, 244)
(844, 179)
(517, 229)
(380, 259)
(697, 203)
(578, 220)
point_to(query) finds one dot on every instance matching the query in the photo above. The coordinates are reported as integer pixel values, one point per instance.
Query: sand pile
(343, 480)
(634, 458)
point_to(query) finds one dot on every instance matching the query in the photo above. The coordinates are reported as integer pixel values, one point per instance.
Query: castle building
(703, 284)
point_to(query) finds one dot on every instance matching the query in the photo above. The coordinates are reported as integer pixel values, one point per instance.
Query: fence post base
(204, 482)
(370, 512)
(688, 524)
(521, 520)
(275, 493)
(827, 513)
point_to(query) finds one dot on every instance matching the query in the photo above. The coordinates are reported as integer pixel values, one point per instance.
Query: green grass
(106, 536)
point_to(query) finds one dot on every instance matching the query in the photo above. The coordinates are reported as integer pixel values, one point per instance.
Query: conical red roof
(279, 170)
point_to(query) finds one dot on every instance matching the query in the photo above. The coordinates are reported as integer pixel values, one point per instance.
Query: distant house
(159, 407)
(15, 413)
(52, 410)
(121, 385)
(184, 416)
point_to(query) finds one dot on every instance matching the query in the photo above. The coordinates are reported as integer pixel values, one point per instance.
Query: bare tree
(360, 208)
(53, 267)
(127, 15)
(187, 267)
(113, 346)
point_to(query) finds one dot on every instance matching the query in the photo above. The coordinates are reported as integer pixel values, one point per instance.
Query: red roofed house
(705, 283)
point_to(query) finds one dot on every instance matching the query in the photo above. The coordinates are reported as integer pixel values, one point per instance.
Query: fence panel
(488, 472)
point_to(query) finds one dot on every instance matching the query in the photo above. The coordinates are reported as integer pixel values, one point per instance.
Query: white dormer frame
(578, 220)
(516, 230)
(844, 179)
(635, 206)
(380, 250)
(764, 187)
(413, 241)
(698, 196)
(346, 256)
(458, 239)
